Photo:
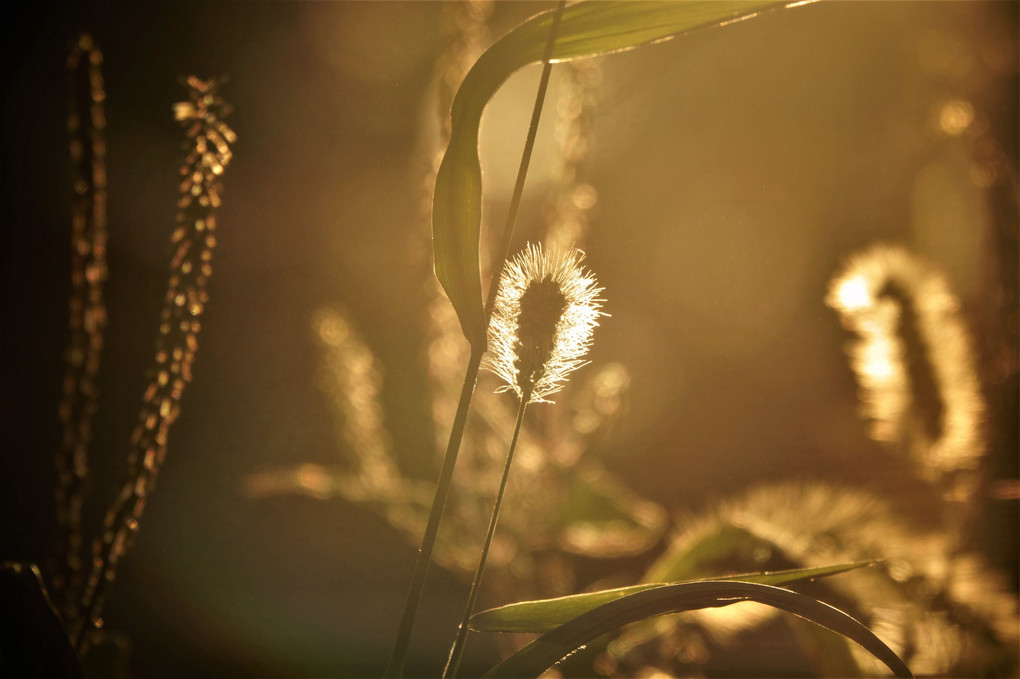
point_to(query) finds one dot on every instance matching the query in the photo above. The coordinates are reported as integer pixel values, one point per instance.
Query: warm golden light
(716, 182)
(955, 117)
(351, 378)
(905, 315)
(853, 293)
(545, 313)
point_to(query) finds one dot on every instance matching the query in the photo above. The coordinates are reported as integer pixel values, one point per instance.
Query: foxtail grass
(395, 667)
(541, 327)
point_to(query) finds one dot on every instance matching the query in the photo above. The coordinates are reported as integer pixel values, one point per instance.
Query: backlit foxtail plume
(351, 378)
(546, 310)
(945, 612)
(543, 315)
(912, 359)
(86, 125)
(207, 142)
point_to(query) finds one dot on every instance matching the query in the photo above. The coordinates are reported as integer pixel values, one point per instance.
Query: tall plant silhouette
(207, 147)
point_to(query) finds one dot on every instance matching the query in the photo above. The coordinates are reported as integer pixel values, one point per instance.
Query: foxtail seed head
(546, 309)
(913, 357)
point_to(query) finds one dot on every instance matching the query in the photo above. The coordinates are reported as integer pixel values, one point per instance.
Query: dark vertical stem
(395, 667)
(421, 569)
(453, 664)
(86, 124)
(207, 142)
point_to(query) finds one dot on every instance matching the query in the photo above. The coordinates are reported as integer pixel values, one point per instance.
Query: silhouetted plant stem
(522, 172)
(86, 123)
(207, 145)
(453, 664)
(395, 668)
(421, 569)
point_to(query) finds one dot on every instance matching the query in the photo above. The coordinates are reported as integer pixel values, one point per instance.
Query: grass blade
(587, 29)
(551, 647)
(548, 614)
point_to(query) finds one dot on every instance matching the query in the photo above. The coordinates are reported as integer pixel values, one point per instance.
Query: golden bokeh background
(728, 176)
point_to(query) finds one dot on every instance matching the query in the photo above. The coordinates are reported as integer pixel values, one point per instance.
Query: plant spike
(545, 312)
(567, 215)
(915, 369)
(207, 140)
(86, 123)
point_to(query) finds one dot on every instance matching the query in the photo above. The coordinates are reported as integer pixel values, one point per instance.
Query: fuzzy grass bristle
(909, 326)
(545, 312)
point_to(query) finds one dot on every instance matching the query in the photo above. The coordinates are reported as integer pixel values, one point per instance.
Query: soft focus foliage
(932, 599)
(807, 227)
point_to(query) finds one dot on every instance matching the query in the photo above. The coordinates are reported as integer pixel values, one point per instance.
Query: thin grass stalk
(396, 664)
(457, 652)
(522, 172)
(395, 667)
(86, 123)
(546, 309)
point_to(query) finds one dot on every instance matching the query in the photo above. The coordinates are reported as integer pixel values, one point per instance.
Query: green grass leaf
(587, 29)
(551, 647)
(548, 614)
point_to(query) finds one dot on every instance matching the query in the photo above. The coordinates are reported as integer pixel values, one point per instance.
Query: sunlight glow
(908, 599)
(531, 349)
(955, 117)
(350, 376)
(880, 357)
(853, 293)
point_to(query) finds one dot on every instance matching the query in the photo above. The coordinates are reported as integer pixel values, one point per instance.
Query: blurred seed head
(909, 328)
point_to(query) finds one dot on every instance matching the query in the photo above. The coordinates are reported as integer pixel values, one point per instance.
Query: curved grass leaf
(829, 653)
(551, 647)
(587, 29)
(548, 614)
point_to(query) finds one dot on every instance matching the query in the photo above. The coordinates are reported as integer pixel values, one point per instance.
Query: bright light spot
(955, 117)
(878, 361)
(330, 327)
(853, 294)
(584, 196)
(314, 480)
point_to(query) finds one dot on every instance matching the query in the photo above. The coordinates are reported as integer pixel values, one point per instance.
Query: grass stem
(522, 172)
(421, 569)
(395, 667)
(453, 664)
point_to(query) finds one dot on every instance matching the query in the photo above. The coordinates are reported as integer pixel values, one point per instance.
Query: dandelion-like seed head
(546, 310)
